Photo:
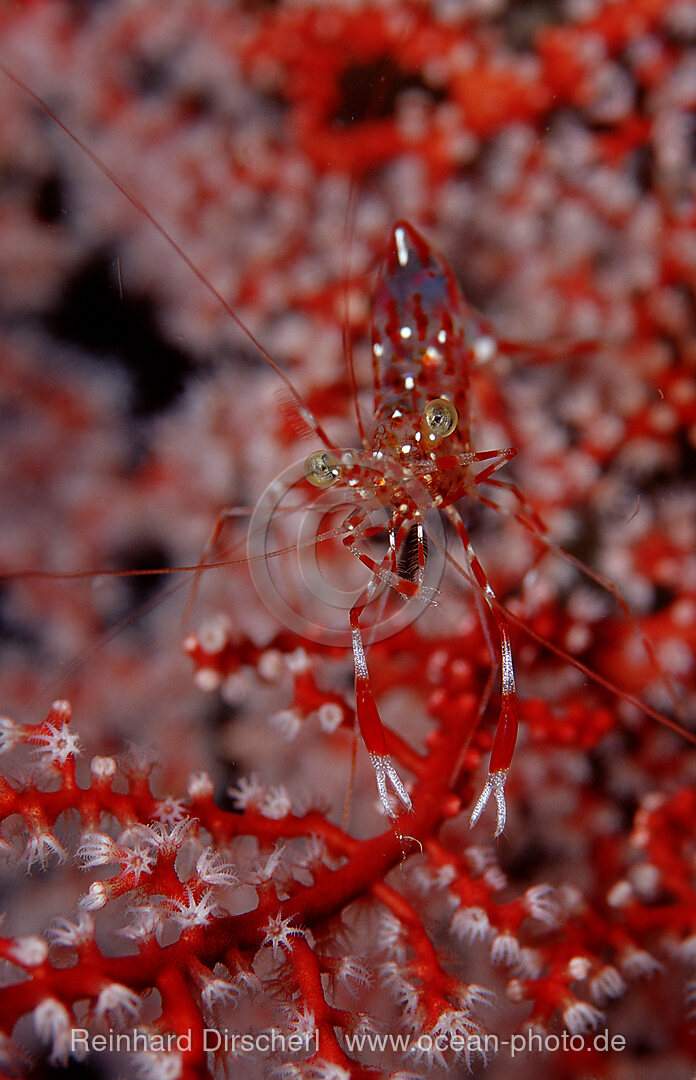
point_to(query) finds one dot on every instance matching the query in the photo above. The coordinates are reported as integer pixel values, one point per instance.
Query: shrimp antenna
(348, 228)
(133, 199)
(377, 101)
(593, 676)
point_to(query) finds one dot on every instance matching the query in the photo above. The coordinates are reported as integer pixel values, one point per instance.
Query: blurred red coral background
(191, 870)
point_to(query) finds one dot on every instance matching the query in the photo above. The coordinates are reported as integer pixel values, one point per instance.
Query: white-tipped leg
(384, 770)
(495, 785)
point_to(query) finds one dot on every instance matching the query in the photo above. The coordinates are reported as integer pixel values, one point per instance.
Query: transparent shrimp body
(421, 365)
(420, 457)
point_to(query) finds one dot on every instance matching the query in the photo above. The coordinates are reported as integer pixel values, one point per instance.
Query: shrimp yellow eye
(441, 417)
(321, 469)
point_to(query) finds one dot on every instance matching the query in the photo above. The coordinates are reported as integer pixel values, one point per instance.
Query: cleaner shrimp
(528, 406)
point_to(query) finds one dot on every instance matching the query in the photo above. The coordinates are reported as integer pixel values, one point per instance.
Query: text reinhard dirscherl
(274, 1042)
(264, 1042)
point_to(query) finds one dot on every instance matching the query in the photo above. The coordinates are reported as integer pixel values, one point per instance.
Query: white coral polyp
(301, 1023)
(102, 768)
(170, 835)
(270, 866)
(96, 849)
(28, 952)
(327, 1070)
(454, 1029)
(480, 858)
(391, 935)
(330, 716)
(95, 898)
(11, 734)
(147, 921)
(213, 870)
(580, 1016)
(639, 964)
(159, 1065)
(606, 985)
(137, 861)
(118, 1002)
(194, 912)
(474, 996)
(200, 786)
(278, 933)
(288, 722)
(352, 973)
(542, 904)
(530, 964)
(248, 793)
(405, 992)
(216, 992)
(41, 848)
(276, 803)
(57, 744)
(70, 935)
(52, 1024)
(471, 924)
(171, 811)
(505, 950)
